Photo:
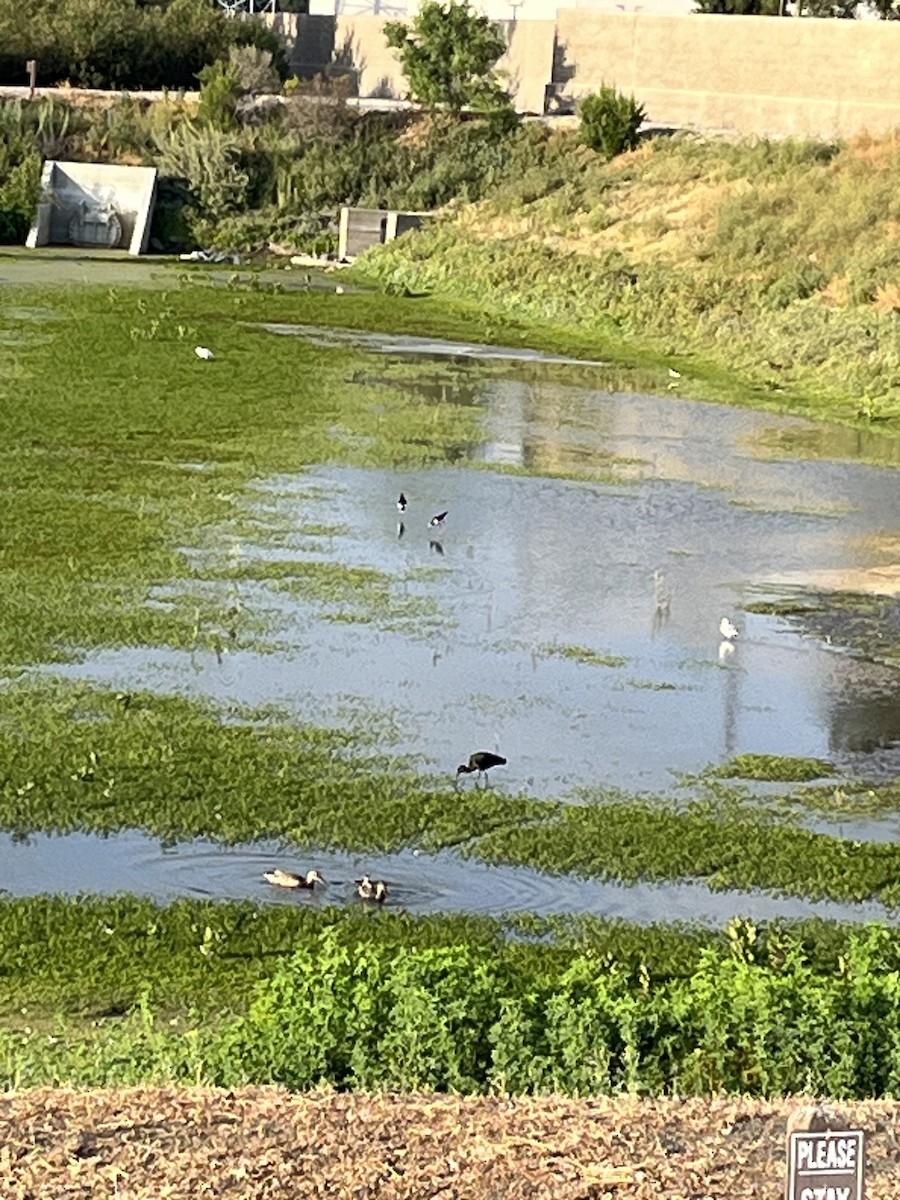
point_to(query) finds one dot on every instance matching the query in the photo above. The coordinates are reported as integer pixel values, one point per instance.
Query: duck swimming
(371, 889)
(287, 879)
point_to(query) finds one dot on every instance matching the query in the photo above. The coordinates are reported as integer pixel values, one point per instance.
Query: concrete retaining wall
(755, 75)
(762, 75)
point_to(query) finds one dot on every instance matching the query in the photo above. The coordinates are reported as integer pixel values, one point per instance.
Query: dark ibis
(371, 889)
(437, 521)
(401, 503)
(481, 761)
(287, 879)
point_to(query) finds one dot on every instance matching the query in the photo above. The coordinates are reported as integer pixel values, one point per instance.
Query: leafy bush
(445, 1003)
(255, 69)
(448, 53)
(610, 121)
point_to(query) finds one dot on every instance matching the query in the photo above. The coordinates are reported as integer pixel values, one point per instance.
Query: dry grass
(150, 1144)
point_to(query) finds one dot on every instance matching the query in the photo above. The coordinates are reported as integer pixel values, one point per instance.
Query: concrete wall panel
(755, 75)
(762, 75)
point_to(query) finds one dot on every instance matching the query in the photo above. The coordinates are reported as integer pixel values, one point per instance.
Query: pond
(566, 613)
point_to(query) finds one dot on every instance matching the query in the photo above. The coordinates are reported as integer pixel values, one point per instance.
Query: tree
(448, 53)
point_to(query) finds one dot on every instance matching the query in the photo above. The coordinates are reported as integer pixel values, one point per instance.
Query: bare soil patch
(150, 1144)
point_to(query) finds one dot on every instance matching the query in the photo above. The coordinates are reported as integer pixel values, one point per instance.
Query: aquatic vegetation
(340, 592)
(584, 654)
(631, 839)
(772, 767)
(83, 759)
(112, 483)
(852, 799)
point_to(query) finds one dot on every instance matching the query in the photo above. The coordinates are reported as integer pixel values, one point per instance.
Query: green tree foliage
(448, 53)
(122, 43)
(886, 10)
(611, 121)
(744, 8)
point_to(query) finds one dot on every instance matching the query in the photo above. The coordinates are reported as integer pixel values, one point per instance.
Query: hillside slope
(775, 263)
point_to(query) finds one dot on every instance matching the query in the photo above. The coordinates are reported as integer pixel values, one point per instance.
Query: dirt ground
(159, 1144)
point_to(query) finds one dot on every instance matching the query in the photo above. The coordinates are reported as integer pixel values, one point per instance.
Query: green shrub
(610, 121)
(220, 87)
(754, 1018)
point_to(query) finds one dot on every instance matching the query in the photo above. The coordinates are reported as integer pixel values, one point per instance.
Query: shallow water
(715, 500)
(418, 883)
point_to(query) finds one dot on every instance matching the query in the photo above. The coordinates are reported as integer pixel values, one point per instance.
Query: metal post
(31, 68)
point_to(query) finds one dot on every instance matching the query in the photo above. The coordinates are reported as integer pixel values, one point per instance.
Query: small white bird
(339, 291)
(661, 593)
(727, 630)
(204, 352)
(673, 374)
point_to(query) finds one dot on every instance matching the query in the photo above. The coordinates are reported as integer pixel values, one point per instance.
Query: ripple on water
(73, 864)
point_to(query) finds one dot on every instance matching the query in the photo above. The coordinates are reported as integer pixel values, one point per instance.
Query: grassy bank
(439, 1004)
(765, 273)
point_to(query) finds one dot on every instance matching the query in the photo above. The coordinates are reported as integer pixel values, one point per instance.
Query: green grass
(632, 839)
(691, 251)
(92, 959)
(302, 997)
(115, 459)
(84, 759)
(117, 454)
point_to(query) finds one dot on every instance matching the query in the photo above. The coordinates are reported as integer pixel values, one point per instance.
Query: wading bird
(727, 630)
(401, 503)
(662, 594)
(204, 352)
(371, 889)
(287, 879)
(481, 761)
(439, 519)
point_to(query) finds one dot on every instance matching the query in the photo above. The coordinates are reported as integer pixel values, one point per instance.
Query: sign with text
(826, 1166)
